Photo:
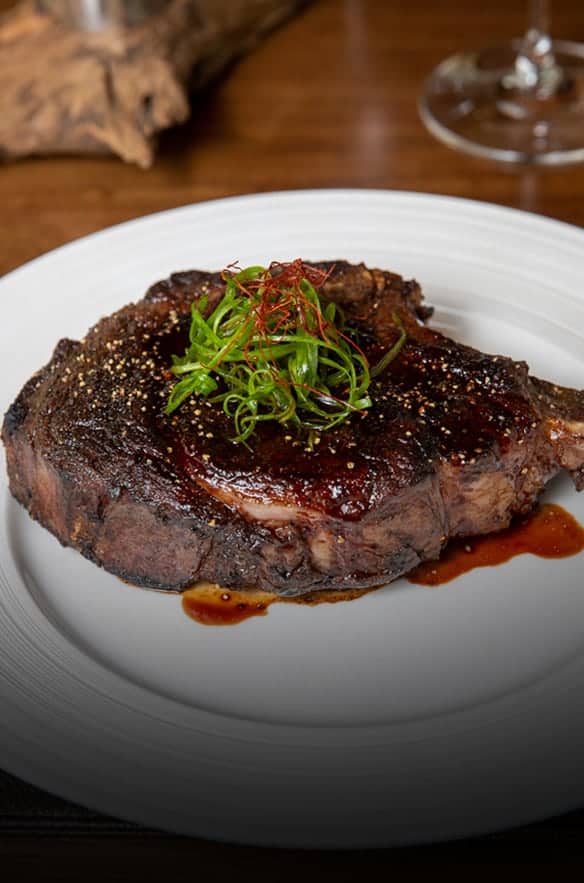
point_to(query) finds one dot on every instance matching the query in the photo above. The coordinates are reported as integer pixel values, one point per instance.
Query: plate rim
(235, 199)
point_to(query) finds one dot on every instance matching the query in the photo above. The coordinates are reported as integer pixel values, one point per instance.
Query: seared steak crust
(456, 443)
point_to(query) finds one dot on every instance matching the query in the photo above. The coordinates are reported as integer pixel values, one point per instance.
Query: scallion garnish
(270, 350)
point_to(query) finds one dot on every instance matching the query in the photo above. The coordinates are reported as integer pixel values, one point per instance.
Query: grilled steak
(456, 443)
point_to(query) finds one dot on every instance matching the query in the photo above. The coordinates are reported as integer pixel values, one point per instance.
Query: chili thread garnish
(270, 350)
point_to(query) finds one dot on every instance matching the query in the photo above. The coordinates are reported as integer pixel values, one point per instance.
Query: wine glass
(94, 15)
(520, 102)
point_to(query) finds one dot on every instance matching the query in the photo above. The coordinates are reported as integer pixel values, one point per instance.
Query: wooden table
(329, 100)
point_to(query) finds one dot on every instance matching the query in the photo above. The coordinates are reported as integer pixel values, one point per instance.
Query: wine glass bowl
(521, 102)
(95, 15)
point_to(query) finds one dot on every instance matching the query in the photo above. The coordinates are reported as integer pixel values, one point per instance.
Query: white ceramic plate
(409, 715)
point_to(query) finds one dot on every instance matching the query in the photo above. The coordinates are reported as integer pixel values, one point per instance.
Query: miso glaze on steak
(456, 443)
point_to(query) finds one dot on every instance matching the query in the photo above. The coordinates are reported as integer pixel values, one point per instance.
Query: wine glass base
(472, 102)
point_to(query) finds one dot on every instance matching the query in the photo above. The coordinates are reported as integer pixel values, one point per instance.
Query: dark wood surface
(327, 101)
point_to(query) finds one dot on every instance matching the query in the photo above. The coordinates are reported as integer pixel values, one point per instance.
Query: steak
(457, 442)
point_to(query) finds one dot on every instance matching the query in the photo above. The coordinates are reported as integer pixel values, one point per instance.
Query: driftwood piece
(70, 91)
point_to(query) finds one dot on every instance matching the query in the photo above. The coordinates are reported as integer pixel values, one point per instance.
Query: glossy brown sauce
(209, 604)
(550, 532)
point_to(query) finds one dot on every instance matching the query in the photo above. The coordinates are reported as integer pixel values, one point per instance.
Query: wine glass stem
(535, 67)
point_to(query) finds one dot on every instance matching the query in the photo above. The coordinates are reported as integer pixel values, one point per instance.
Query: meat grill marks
(457, 443)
